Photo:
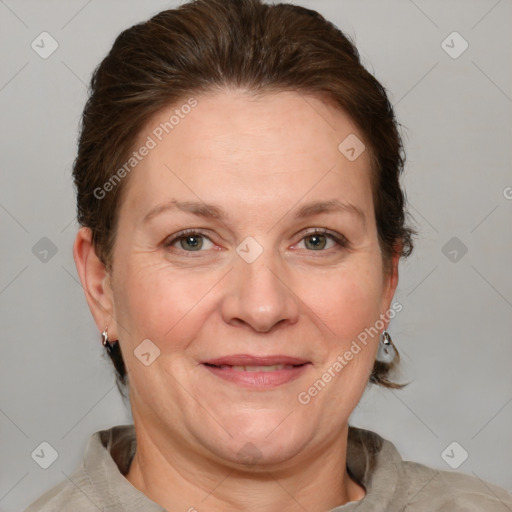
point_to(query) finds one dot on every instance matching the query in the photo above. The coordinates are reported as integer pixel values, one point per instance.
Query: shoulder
(395, 484)
(98, 483)
(445, 491)
(83, 489)
(75, 493)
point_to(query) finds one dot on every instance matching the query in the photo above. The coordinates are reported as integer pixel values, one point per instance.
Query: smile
(269, 373)
(258, 368)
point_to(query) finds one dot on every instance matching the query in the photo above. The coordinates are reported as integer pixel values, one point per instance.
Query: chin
(262, 438)
(262, 455)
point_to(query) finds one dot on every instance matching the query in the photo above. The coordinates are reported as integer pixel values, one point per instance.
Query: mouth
(257, 372)
(268, 368)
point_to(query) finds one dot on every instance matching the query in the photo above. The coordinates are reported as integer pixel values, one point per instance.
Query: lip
(222, 367)
(250, 360)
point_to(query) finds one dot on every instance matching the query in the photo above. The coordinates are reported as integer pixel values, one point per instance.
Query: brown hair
(207, 45)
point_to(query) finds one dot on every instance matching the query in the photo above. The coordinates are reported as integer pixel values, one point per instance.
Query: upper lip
(249, 360)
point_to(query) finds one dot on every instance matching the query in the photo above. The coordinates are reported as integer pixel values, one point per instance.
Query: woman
(242, 223)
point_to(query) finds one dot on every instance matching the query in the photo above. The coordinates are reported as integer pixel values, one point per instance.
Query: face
(247, 253)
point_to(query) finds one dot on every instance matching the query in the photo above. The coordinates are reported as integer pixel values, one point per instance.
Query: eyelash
(340, 240)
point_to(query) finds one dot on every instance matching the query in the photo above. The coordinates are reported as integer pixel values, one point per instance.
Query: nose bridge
(259, 296)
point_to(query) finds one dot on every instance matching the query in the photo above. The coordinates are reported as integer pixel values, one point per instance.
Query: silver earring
(105, 342)
(386, 353)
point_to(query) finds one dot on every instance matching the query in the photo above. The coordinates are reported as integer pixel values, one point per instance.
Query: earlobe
(95, 281)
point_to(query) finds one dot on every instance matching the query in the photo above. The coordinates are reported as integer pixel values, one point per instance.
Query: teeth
(272, 368)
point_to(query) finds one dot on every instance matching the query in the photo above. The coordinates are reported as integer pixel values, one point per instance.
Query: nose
(259, 297)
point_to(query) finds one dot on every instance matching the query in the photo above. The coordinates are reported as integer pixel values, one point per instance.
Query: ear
(391, 280)
(95, 282)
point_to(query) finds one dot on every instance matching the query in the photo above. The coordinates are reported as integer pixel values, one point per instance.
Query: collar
(371, 460)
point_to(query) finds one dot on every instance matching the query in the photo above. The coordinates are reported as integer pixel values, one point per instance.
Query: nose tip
(259, 298)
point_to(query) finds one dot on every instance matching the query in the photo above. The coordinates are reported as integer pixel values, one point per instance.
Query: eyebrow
(210, 211)
(207, 211)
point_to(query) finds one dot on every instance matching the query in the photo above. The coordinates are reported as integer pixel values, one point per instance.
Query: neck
(182, 479)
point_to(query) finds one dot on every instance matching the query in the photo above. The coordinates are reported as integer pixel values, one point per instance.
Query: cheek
(347, 301)
(154, 302)
(171, 306)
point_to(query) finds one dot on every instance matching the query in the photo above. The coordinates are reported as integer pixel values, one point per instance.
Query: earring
(386, 353)
(105, 342)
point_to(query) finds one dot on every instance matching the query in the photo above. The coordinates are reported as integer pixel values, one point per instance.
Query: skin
(260, 159)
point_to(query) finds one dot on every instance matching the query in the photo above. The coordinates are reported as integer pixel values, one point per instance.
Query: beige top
(392, 485)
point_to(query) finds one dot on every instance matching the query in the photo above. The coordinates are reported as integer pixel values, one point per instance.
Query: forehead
(263, 148)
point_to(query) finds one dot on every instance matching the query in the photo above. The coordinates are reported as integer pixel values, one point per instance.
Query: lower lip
(259, 380)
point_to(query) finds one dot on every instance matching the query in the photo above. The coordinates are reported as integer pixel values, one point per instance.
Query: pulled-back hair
(209, 45)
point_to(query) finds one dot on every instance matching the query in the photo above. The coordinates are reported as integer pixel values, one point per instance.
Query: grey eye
(191, 242)
(315, 242)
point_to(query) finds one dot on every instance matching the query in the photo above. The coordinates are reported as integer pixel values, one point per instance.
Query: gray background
(454, 330)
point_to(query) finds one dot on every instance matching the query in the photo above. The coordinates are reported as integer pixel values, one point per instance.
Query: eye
(320, 240)
(190, 241)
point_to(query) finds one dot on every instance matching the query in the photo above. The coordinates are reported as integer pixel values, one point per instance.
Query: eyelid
(171, 239)
(340, 239)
